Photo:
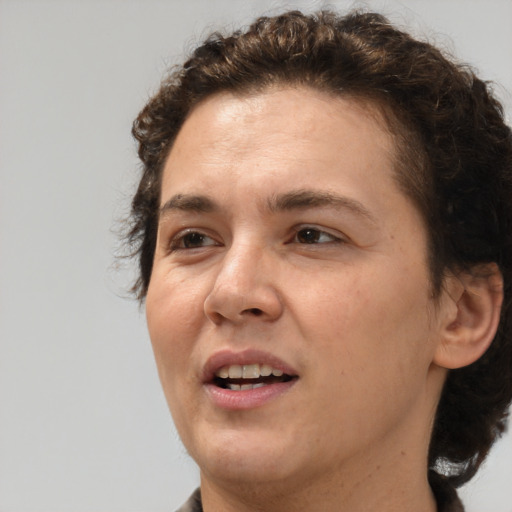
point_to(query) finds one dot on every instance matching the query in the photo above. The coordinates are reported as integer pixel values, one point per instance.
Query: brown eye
(314, 236)
(192, 240)
(308, 236)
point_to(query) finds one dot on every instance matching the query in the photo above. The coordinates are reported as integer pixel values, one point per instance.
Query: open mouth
(249, 376)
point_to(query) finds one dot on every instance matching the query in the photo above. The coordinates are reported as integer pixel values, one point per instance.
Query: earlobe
(470, 316)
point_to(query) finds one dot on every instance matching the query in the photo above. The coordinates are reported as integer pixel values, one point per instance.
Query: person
(324, 231)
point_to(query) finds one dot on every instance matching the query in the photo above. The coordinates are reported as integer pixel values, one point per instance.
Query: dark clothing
(446, 497)
(193, 504)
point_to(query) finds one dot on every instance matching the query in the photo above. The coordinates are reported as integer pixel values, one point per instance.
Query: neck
(399, 486)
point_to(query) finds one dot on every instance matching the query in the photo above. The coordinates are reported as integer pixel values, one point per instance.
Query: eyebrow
(294, 200)
(188, 203)
(304, 199)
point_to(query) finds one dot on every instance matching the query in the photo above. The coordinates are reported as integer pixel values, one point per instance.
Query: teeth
(251, 371)
(243, 387)
(223, 373)
(265, 370)
(247, 371)
(235, 371)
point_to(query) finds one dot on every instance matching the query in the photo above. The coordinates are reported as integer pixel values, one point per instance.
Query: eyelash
(179, 242)
(318, 232)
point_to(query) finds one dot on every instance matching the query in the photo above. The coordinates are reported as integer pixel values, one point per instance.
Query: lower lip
(248, 398)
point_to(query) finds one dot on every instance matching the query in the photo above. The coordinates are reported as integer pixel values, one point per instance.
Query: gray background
(83, 422)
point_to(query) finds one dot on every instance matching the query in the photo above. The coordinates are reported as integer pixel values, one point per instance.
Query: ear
(469, 315)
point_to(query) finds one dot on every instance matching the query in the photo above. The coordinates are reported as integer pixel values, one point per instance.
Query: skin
(351, 313)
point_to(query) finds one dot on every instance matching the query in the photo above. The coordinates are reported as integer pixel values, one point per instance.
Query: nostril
(255, 311)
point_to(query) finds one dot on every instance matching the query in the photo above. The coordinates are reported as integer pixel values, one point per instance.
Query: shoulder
(193, 504)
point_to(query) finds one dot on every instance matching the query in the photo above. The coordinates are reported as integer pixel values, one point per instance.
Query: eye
(311, 235)
(192, 240)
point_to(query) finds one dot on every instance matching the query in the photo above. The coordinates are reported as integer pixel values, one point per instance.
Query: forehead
(291, 127)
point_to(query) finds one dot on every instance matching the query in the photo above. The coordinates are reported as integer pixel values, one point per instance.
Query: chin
(241, 457)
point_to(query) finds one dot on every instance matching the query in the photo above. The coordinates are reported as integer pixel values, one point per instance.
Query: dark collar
(193, 504)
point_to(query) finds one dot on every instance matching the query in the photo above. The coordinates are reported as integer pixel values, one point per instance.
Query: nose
(244, 288)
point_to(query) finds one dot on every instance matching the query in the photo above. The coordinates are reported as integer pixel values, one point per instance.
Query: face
(289, 305)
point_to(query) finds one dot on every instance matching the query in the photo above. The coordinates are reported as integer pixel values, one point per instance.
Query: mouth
(245, 377)
(246, 380)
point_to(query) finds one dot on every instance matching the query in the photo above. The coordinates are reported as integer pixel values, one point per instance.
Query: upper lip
(250, 356)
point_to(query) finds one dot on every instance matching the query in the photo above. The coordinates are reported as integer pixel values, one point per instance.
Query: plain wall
(83, 423)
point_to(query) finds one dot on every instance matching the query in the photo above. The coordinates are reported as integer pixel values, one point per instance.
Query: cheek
(174, 314)
(330, 305)
(370, 320)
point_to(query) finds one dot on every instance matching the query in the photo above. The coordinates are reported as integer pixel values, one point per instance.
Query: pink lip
(250, 398)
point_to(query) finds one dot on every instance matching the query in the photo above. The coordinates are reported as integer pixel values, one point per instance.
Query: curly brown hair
(455, 162)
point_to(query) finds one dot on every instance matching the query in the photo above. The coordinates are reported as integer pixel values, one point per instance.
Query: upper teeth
(247, 371)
